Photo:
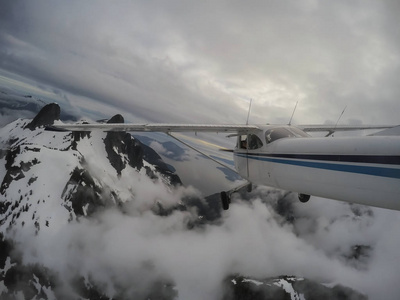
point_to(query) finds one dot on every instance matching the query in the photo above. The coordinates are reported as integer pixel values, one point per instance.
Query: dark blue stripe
(367, 170)
(369, 159)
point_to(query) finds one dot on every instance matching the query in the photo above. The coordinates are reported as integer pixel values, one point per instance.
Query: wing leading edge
(330, 128)
(163, 127)
(156, 127)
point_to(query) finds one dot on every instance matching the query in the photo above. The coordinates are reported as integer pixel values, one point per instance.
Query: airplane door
(253, 165)
(241, 159)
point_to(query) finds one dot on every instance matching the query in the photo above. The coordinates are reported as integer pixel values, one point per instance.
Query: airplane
(362, 169)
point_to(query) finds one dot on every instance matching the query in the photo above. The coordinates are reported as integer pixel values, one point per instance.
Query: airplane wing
(158, 127)
(392, 131)
(331, 128)
(238, 129)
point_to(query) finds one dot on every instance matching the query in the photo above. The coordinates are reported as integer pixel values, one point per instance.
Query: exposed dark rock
(210, 209)
(358, 256)
(77, 136)
(314, 291)
(3, 153)
(284, 207)
(116, 119)
(30, 279)
(134, 151)
(89, 291)
(6, 247)
(46, 116)
(82, 192)
(122, 149)
(241, 288)
(23, 278)
(359, 251)
(15, 172)
(153, 158)
(159, 290)
(115, 145)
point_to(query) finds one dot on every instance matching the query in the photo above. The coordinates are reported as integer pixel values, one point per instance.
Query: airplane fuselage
(364, 170)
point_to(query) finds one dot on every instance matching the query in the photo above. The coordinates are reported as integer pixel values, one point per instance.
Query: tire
(225, 200)
(304, 198)
(249, 188)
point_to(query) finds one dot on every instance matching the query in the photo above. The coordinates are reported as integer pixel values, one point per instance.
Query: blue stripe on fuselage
(350, 168)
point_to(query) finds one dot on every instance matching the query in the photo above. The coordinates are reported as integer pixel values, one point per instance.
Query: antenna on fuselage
(294, 110)
(340, 116)
(248, 113)
(331, 132)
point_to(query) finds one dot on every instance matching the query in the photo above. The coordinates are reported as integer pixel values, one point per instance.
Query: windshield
(298, 132)
(277, 133)
(254, 142)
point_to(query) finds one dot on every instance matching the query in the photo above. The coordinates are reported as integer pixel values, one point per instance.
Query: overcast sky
(201, 61)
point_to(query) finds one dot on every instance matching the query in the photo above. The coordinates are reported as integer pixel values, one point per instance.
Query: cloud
(118, 250)
(202, 62)
(7, 115)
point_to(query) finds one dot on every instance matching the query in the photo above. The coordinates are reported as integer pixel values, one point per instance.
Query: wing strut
(294, 110)
(248, 113)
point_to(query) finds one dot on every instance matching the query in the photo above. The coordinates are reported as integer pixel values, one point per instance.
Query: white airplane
(363, 170)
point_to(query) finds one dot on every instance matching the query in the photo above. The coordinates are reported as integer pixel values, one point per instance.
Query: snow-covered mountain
(101, 216)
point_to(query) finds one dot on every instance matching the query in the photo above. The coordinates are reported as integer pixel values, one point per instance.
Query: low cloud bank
(129, 250)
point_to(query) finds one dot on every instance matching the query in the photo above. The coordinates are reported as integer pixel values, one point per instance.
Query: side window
(276, 134)
(254, 142)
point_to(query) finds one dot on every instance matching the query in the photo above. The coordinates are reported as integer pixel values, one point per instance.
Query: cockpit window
(254, 142)
(280, 133)
(298, 132)
(277, 133)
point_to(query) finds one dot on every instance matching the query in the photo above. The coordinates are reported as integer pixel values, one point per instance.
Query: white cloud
(116, 249)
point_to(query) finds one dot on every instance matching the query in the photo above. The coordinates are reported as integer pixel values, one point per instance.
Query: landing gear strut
(226, 200)
(304, 198)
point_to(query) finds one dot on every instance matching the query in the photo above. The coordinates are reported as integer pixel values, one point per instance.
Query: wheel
(249, 188)
(225, 200)
(304, 198)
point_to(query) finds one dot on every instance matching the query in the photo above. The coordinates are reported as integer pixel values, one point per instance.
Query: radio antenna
(294, 110)
(331, 132)
(248, 113)
(340, 116)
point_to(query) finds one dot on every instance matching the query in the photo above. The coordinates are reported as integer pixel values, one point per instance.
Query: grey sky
(201, 61)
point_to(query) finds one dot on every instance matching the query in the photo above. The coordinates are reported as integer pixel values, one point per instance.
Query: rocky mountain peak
(116, 119)
(46, 116)
(121, 142)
